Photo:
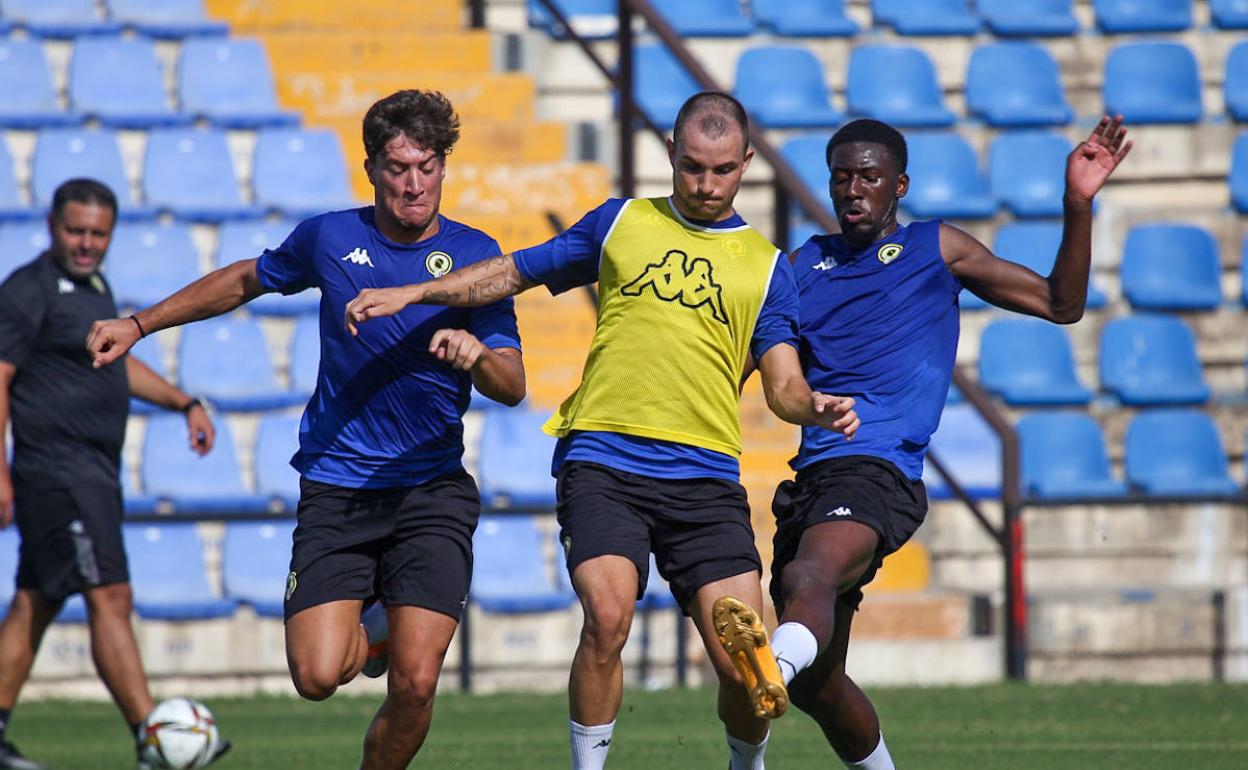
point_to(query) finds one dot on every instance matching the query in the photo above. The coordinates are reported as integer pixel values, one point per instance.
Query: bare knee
(112, 601)
(606, 629)
(413, 691)
(809, 578)
(314, 680)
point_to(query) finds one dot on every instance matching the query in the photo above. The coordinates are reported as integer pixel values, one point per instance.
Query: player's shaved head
(425, 117)
(871, 132)
(714, 115)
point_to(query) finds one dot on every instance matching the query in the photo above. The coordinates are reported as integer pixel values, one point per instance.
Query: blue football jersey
(385, 413)
(879, 324)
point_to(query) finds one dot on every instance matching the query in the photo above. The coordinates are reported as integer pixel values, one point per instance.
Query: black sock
(134, 730)
(4, 722)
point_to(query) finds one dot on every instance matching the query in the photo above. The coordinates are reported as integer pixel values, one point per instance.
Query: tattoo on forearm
(492, 288)
(440, 297)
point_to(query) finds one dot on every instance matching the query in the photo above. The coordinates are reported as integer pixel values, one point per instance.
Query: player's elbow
(1066, 315)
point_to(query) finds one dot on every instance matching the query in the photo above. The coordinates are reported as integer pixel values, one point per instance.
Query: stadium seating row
(188, 172)
(1008, 84)
(119, 82)
(68, 18)
(827, 18)
(1168, 453)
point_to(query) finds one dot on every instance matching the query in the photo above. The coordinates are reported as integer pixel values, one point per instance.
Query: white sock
(879, 759)
(795, 648)
(590, 744)
(743, 755)
(374, 622)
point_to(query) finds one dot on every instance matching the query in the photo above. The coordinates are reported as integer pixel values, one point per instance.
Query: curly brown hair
(425, 117)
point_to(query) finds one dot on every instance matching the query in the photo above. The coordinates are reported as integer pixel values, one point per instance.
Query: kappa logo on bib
(888, 252)
(677, 278)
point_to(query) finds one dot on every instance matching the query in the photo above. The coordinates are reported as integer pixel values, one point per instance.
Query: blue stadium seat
(135, 501)
(1027, 172)
(29, 98)
(305, 355)
(945, 179)
(277, 440)
(254, 561)
(73, 611)
(1177, 452)
(20, 242)
(1239, 174)
(1016, 84)
(1243, 269)
(1034, 245)
(66, 153)
(168, 574)
(190, 484)
(9, 545)
(783, 87)
(661, 84)
(706, 18)
(189, 173)
(247, 239)
(1149, 360)
(119, 82)
(1116, 17)
(591, 19)
(970, 450)
(1153, 83)
(1235, 86)
(230, 83)
(11, 204)
(926, 17)
(227, 361)
(1171, 267)
(510, 571)
(1029, 362)
(147, 262)
(148, 350)
(58, 19)
(808, 157)
(1028, 18)
(514, 460)
(1063, 455)
(1229, 14)
(166, 18)
(301, 172)
(896, 84)
(805, 18)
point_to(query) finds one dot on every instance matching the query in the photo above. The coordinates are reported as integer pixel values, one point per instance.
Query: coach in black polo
(69, 422)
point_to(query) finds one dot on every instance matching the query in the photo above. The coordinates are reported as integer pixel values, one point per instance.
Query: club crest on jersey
(439, 263)
(677, 278)
(888, 252)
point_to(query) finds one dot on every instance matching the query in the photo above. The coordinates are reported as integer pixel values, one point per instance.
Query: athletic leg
(736, 710)
(115, 651)
(419, 639)
(20, 634)
(325, 647)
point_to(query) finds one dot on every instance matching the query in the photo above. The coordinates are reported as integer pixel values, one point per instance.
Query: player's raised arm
(216, 293)
(792, 400)
(477, 284)
(1059, 297)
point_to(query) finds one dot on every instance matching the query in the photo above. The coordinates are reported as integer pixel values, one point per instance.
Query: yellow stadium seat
(569, 189)
(337, 53)
(251, 16)
(909, 569)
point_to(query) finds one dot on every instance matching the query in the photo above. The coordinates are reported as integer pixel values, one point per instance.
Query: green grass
(988, 728)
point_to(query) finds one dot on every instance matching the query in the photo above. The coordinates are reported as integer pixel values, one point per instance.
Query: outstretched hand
(836, 413)
(374, 303)
(1091, 163)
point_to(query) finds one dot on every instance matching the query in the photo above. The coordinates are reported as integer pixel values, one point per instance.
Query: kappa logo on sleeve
(676, 278)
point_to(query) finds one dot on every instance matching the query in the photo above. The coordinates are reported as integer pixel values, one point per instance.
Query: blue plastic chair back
(230, 82)
(1028, 18)
(1153, 83)
(67, 153)
(1177, 452)
(166, 18)
(9, 550)
(227, 360)
(301, 172)
(783, 86)
(514, 459)
(1027, 171)
(1236, 82)
(510, 572)
(1229, 14)
(592, 19)
(808, 157)
(148, 262)
(805, 18)
(1151, 359)
(254, 562)
(1016, 84)
(1171, 267)
(1239, 174)
(189, 172)
(149, 350)
(661, 84)
(945, 180)
(1034, 245)
(20, 242)
(26, 82)
(926, 17)
(247, 239)
(119, 81)
(171, 470)
(706, 18)
(1029, 362)
(1118, 16)
(11, 204)
(58, 19)
(168, 574)
(305, 355)
(895, 84)
(1063, 455)
(277, 440)
(972, 452)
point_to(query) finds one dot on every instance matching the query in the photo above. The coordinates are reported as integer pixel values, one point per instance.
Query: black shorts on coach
(70, 539)
(399, 545)
(858, 488)
(698, 529)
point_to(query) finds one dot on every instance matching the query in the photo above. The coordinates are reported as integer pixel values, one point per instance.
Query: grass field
(989, 728)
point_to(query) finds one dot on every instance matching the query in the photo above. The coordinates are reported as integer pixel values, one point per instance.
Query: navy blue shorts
(71, 539)
(400, 546)
(698, 529)
(858, 488)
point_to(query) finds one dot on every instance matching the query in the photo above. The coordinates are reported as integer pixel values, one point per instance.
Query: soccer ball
(179, 733)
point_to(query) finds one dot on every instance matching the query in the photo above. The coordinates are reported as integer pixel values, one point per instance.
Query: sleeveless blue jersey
(879, 324)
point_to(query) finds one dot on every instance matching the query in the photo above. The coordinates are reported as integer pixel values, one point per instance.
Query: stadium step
(248, 16)
(333, 53)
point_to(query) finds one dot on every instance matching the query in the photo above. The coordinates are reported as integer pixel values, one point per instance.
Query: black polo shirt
(69, 419)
